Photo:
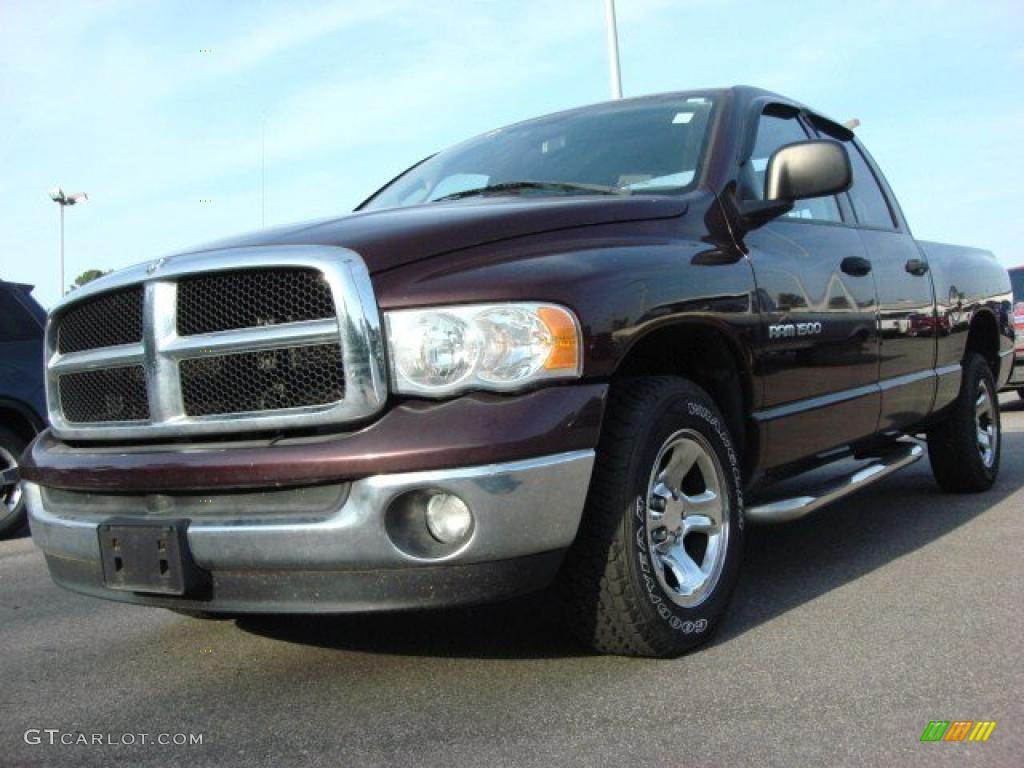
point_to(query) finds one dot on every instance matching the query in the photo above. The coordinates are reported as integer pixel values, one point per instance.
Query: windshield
(645, 146)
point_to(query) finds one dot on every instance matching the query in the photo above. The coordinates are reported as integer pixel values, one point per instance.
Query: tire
(623, 581)
(1020, 393)
(12, 502)
(961, 461)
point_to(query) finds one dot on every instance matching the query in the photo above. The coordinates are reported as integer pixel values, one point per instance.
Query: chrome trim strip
(907, 379)
(813, 403)
(784, 510)
(107, 357)
(160, 320)
(357, 327)
(254, 339)
(834, 398)
(520, 508)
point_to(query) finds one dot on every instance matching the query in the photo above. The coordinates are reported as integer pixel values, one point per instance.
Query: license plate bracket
(148, 556)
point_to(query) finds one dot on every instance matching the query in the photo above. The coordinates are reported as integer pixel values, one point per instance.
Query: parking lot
(850, 631)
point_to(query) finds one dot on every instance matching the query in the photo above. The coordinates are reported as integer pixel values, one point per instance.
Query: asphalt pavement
(850, 631)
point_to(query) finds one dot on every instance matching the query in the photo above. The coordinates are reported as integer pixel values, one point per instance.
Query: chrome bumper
(315, 558)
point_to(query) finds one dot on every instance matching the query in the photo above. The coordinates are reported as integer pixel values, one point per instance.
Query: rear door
(908, 319)
(818, 352)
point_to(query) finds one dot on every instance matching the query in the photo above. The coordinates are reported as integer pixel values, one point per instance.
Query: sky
(162, 111)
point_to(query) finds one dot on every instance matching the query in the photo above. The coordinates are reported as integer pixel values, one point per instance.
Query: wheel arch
(19, 418)
(709, 355)
(983, 338)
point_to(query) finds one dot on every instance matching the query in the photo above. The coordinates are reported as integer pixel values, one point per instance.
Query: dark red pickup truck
(579, 350)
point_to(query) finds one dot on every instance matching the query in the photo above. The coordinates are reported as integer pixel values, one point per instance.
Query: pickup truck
(579, 351)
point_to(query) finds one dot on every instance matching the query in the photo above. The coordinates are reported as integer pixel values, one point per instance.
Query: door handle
(917, 266)
(855, 265)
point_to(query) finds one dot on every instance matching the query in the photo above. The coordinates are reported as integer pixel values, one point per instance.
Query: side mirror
(807, 169)
(797, 171)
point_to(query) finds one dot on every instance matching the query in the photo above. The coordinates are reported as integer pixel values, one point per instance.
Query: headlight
(443, 350)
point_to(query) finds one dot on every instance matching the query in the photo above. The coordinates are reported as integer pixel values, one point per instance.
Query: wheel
(12, 503)
(658, 552)
(964, 449)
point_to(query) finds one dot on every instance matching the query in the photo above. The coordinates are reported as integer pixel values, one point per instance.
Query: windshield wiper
(544, 186)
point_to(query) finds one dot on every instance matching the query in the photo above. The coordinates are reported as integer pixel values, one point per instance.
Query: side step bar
(903, 454)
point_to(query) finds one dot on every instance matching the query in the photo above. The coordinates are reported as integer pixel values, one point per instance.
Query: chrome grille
(262, 381)
(105, 321)
(249, 299)
(230, 341)
(108, 394)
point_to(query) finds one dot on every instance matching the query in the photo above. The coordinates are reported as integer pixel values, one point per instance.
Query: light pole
(63, 200)
(613, 49)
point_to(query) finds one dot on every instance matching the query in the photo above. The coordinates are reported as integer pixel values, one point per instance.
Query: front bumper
(329, 548)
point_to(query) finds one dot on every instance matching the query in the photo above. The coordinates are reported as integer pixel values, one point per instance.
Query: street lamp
(615, 75)
(63, 200)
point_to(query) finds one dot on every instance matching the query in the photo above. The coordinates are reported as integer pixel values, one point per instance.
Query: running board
(784, 510)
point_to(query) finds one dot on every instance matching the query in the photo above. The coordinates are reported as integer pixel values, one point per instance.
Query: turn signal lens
(565, 341)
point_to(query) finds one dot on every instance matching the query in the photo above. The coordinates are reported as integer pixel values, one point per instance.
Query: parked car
(1016, 381)
(582, 349)
(22, 395)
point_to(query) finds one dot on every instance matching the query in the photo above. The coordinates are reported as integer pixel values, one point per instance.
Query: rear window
(865, 194)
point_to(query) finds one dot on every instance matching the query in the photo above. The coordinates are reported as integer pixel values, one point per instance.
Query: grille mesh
(252, 298)
(105, 321)
(262, 381)
(110, 394)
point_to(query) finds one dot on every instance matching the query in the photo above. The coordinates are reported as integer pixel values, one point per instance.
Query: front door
(818, 351)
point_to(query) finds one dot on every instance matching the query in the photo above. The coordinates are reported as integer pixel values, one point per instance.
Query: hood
(396, 236)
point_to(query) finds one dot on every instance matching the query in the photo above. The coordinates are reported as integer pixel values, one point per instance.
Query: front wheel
(965, 447)
(657, 555)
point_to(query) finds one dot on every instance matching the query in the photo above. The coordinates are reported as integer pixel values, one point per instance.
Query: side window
(774, 132)
(866, 196)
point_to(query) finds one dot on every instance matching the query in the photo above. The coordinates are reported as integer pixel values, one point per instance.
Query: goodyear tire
(965, 447)
(657, 556)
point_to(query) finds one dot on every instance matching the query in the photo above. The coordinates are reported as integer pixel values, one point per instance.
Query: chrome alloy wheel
(687, 518)
(10, 494)
(985, 424)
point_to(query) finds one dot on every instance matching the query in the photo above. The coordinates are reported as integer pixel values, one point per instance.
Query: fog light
(448, 518)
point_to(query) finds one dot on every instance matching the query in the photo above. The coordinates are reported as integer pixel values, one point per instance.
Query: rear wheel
(965, 448)
(657, 555)
(12, 502)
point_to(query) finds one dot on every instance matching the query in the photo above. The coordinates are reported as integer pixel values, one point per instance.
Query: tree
(87, 277)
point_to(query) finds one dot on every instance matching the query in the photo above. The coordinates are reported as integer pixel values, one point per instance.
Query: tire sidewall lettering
(666, 610)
